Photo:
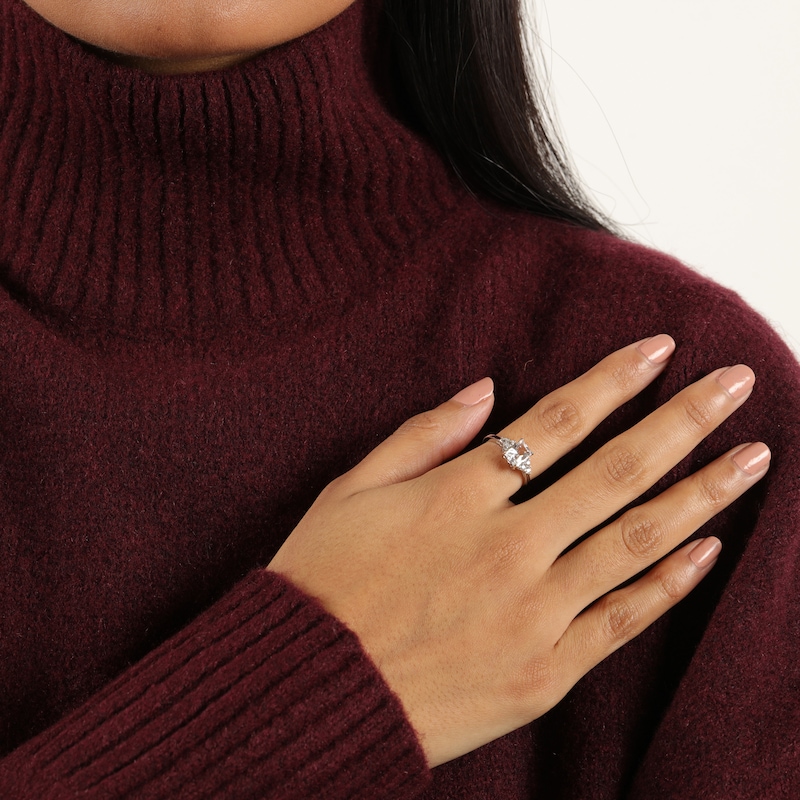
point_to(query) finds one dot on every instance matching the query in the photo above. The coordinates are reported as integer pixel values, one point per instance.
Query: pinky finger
(623, 614)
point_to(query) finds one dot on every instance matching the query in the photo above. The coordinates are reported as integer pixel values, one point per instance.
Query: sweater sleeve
(264, 695)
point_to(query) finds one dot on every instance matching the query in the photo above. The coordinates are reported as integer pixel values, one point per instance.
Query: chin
(178, 30)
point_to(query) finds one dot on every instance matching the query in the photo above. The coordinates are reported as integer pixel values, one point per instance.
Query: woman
(231, 266)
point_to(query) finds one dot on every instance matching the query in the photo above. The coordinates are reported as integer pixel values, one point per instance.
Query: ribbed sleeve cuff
(264, 695)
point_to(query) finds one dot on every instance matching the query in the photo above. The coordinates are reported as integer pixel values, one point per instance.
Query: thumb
(426, 440)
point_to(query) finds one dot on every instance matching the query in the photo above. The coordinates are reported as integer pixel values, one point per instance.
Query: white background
(683, 118)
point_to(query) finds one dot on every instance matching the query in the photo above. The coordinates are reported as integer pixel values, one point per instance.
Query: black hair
(464, 75)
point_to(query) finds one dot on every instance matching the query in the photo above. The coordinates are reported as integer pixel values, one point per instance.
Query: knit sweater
(220, 291)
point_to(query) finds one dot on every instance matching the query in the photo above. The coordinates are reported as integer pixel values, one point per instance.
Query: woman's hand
(464, 600)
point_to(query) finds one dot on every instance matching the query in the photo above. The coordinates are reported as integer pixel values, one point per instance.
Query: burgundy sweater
(218, 292)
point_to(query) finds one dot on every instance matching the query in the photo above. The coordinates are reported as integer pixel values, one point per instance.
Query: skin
(481, 625)
(181, 36)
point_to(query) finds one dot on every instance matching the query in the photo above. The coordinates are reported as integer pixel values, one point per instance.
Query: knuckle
(621, 619)
(334, 488)
(642, 536)
(626, 375)
(700, 413)
(561, 419)
(711, 491)
(338, 489)
(622, 466)
(445, 501)
(422, 424)
(670, 585)
(537, 681)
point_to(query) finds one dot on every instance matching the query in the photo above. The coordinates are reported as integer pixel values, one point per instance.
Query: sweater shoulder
(593, 281)
(555, 299)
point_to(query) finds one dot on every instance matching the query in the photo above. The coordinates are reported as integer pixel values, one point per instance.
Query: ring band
(517, 454)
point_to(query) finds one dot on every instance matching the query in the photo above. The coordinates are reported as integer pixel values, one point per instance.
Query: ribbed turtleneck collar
(168, 205)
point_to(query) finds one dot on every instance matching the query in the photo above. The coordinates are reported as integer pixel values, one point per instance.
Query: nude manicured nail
(658, 349)
(737, 380)
(753, 459)
(705, 552)
(473, 395)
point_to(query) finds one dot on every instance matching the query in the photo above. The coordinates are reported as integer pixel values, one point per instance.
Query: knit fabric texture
(220, 291)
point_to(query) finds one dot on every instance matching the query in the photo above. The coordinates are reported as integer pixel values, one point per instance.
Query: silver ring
(517, 454)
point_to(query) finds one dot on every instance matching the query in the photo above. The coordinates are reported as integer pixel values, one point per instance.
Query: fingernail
(738, 380)
(705, 552)
(753, 459)
(473, 395)
(658, 349)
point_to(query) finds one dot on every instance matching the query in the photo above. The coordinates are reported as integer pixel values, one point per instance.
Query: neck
(178, 66)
